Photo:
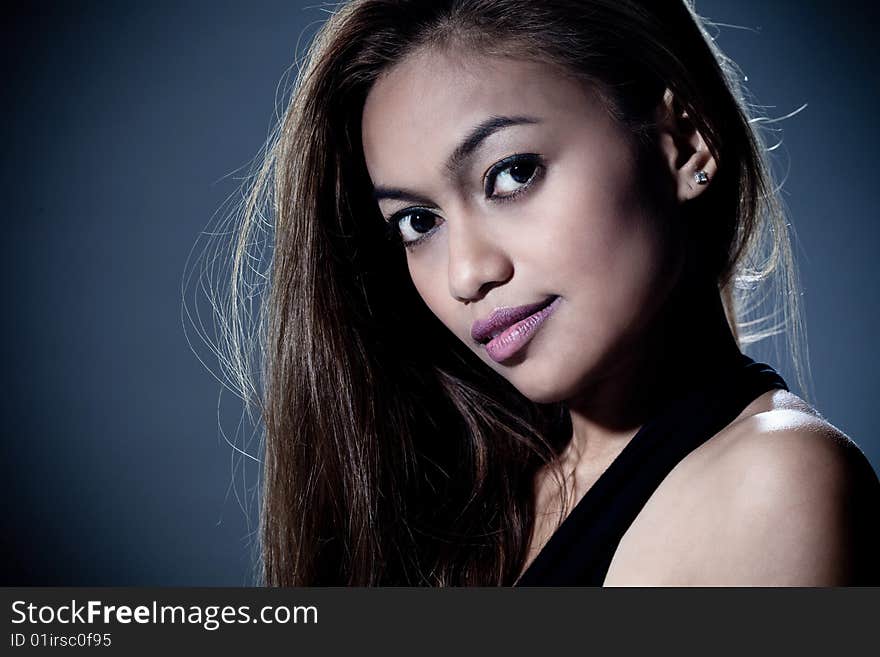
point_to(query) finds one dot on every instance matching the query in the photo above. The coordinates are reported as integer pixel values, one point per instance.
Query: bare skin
(675, 540)
(763, 502)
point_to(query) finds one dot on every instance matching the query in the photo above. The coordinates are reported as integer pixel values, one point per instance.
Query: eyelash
(393, 222)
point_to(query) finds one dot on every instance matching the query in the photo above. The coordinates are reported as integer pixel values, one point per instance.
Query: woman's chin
(543, 387)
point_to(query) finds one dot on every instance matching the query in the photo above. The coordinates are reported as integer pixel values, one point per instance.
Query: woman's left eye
(512, 175)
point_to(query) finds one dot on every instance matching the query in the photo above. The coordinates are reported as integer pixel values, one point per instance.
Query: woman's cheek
(430, 278)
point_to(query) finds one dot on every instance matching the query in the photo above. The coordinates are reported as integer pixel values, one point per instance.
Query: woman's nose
(477, 263)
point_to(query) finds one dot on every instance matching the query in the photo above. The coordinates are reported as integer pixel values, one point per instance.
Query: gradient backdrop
(121, 123)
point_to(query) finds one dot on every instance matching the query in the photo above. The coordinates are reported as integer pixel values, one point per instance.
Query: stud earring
(701, 177)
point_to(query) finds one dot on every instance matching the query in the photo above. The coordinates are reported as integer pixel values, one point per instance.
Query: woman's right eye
(415, 225)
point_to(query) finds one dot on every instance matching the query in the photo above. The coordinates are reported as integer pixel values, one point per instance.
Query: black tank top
(580, 551)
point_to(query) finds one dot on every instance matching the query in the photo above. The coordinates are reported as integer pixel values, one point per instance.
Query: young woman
(514, 242)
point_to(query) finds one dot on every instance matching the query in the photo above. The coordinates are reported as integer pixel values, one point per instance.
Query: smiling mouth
(500, 320)
(504, 338)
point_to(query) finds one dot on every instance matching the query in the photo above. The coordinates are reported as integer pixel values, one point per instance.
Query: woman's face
(515, 189)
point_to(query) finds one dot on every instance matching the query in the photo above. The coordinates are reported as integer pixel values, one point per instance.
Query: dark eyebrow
(395, 194)
(476, 137)
(461, 153)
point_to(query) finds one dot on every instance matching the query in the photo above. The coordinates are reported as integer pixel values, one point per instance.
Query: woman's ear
(691, 165)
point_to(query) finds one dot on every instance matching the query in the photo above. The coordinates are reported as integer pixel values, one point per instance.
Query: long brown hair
(386, 462)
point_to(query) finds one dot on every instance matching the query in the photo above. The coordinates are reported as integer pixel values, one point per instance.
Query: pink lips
(507, 330)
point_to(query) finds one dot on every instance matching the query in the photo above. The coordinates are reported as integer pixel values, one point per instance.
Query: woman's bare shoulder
(785, 445)
(780, 435)
(767, 501)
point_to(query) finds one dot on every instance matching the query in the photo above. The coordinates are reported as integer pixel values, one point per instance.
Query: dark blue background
(120, 125)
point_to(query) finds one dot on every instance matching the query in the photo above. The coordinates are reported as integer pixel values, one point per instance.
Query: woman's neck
(691, 331)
